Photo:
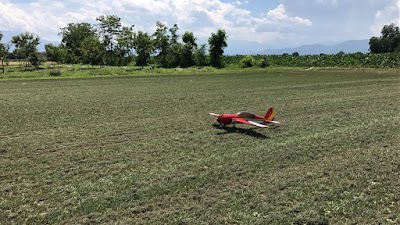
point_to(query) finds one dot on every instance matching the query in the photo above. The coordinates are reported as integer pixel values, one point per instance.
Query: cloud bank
(286, 23)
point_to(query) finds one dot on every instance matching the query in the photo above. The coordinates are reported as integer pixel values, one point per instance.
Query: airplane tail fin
(270, 114)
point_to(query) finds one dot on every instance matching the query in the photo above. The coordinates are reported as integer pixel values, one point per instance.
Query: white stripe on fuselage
(261, 121)
(252, 120)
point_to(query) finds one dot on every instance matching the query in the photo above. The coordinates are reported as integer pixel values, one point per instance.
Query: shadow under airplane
(248, 131)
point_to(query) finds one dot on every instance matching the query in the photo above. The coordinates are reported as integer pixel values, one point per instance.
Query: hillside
(347, 47)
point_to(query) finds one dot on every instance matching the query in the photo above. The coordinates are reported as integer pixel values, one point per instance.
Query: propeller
(218, 117)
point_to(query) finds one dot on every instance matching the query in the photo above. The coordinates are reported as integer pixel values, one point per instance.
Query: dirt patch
(21, 63)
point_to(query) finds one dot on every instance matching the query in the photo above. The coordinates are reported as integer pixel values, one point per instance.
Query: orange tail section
(270, 114)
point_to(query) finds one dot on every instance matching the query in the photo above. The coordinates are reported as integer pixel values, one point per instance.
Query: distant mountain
(347, 47)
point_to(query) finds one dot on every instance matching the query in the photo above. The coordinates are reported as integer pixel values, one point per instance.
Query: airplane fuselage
(227, 119)
(266, 121)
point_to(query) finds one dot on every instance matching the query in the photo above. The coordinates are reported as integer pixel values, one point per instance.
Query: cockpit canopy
(246, 115)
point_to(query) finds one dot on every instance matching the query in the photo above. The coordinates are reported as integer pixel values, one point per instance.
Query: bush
(264, 62)
(247, 61)
(55, 73)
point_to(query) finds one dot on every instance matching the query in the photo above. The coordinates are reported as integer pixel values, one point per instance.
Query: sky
(251, 25)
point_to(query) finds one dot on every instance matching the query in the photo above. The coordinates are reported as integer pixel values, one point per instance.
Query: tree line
(110, 43)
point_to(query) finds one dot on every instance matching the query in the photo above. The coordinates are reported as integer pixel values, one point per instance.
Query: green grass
(142, 150)
(85, 71)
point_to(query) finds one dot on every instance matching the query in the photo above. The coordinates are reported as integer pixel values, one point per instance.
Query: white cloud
(46, 17)
(153, 7)
(327, 2)
(278, 20)
(241, 25)
(310, 21)
(12, 17)
(387, 15)
(337, 21)
(279, 16)
(237, 2)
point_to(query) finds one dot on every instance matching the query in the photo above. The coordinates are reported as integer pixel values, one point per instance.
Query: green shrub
(55, 73)
(247, 61)
(264, 62)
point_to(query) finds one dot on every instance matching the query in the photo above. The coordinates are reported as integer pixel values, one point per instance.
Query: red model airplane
(266, 121)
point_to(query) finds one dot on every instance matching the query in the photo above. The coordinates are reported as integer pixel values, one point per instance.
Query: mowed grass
(142, 150)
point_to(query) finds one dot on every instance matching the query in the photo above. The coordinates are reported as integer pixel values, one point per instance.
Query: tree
(200, 56)
(125, 41)
(187, 59)
(72, 36)
(144, 47)
(217, 43)
(174, 35)
(375, 45)
(125, 45)
(26, 47)
(188, 37)
(389, 41)
(395, 44)
(109, 29)
(161, 44)
(175, 48)
(187, 55)
(92, 51)
(3, 52)
(56, 53)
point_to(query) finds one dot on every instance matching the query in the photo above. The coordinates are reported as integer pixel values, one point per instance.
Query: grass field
(142, 150)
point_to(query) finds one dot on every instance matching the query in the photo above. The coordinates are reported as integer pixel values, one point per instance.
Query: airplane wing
(240, 120)
(215, 114)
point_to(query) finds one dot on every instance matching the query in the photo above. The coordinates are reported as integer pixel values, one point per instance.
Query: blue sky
(252, 25)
